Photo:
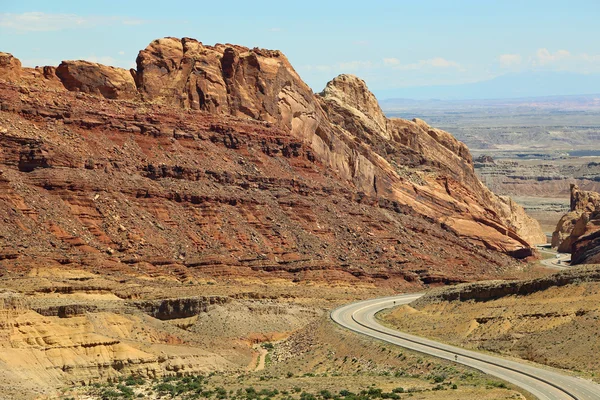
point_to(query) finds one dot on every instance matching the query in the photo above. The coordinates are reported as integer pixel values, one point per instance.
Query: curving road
(559, 261)
(542, 383)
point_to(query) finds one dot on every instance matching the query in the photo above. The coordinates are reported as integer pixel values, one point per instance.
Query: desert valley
(184, 229)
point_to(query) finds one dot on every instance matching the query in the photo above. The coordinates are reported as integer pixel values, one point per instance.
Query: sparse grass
(226, 387)
(339, 365)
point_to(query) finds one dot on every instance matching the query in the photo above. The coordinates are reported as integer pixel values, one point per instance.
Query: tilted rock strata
(136, 176)
(221, 167)
(111, 187)
(586, 249)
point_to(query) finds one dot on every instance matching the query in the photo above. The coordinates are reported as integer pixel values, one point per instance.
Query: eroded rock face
(10, 67)
(344, 125)
(404, 154)
(168, 309)
(223, 79)
(351, 93)
(89, 77)
(578, 221)
(250, 123)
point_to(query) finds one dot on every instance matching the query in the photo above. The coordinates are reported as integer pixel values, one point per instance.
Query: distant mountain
(526, 84)
(580, 102)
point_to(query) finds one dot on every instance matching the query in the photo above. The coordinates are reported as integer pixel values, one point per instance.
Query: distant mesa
(485, 159)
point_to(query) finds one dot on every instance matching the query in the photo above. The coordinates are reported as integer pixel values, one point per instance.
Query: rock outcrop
(488, 291)
(586, 249)
(223, 79)
(576, 223)
(10, 67)
(98, 79)
(234, 166)
(168, 309)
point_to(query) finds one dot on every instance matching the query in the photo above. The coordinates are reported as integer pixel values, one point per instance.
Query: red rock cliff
(223, 155)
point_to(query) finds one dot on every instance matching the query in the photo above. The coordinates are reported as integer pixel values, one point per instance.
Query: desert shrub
(307, 396)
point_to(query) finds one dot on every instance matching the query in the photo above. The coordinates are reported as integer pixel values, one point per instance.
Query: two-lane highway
(559, 261)
(545, 384)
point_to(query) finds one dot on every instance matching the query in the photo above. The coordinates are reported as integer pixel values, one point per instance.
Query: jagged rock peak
(221, 79)
(353, 92)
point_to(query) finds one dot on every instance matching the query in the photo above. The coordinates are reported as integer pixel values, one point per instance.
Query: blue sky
(390, 44)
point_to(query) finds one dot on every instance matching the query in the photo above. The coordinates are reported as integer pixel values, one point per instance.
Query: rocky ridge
(492, 290)
(163, 220)
(258, 133)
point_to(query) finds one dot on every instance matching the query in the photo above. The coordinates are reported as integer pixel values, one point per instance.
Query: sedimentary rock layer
(223, 160)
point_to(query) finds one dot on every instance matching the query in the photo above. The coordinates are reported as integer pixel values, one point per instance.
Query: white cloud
(43, 22)
(543, 56)
(590, 57)
(360, 66)
(564, 60)
(510, 60)
(440, 62)
(342, 67)
(275, 30)
(391, 61)
(355, 65)
(361, 42)
(121, 53)
(436, 62)
(320, 68)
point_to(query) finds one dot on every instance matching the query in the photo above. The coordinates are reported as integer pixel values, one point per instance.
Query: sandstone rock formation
(291, 172)
(586, 249)
(576, 222)
(88, 77)
(10, 67)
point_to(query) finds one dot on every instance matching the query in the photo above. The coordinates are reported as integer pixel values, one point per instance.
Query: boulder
(97, 79)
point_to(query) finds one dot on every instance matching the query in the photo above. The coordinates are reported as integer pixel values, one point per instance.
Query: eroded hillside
(223, 160)
(164, 220)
